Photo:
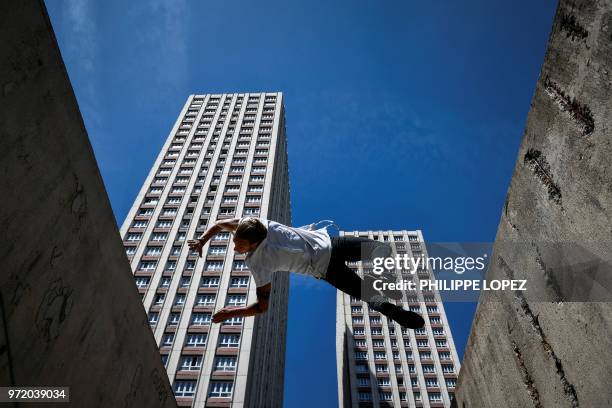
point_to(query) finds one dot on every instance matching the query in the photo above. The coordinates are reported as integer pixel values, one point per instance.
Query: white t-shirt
(289, 249)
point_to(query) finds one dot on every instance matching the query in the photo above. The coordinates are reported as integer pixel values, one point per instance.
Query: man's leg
(364, 249)
(342, 277)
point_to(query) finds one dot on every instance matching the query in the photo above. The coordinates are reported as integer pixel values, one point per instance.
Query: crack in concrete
(527, 379)
(541, 169)
(568, 388)
(579, 113)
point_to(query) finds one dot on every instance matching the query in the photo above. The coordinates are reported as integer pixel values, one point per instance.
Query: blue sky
(400, 115)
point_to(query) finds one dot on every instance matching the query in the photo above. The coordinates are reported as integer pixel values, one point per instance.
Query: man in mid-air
(270, 247)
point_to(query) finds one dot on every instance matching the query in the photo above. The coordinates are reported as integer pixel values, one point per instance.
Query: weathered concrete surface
(70, 311)
(528, 353)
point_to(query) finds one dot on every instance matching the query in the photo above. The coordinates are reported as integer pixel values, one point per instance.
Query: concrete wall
(70, 311)
(543, 351)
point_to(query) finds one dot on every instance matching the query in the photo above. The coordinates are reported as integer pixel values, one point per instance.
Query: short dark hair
(252, 230)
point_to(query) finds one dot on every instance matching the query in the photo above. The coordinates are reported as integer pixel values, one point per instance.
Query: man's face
(243, 246)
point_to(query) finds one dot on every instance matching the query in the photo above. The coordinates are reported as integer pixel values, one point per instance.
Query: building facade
(381, 364)
(225, 157)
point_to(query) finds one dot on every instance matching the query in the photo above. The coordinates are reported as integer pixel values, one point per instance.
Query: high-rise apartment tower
(381, 364)
(225, 157)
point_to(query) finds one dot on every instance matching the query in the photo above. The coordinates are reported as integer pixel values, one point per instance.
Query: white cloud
(164, 43)
(83, 45)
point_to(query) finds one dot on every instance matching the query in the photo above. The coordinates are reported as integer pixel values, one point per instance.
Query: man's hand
(263, 297)
(196, 245)
(222, 225)
(226, 313)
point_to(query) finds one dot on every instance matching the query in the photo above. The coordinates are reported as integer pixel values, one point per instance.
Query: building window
(191, 363)
(239, 282)
(217, 250)
(153, 251)
(363, 381)
(205, 300)
(184, 388)
(195, 340)
(225, 363)
(382, 368)
(383, 381)
(235, 300)
(365, 396)
(167, 339)
(222, 236)
(422, 343)
(431, 382)
(164, 224)
(214, 266)
(174, 318)
(200, 319)
(444, 355)
(361, 355)
(209, 282)
(142, 282)
(221, 389)
(234, 321)
(385, 395)
(159, 298)
(435, 396)
(153, 316)
(380, 355)
(428, 368)
(425, 355)
(229, 340)
(159, 236)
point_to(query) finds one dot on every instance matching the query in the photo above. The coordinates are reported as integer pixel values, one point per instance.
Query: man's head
(249, 234)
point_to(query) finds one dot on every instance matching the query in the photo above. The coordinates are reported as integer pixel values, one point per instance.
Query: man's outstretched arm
(261, 306)
(221, 225)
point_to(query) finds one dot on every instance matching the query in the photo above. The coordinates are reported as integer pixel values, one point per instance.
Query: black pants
(347, 249)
